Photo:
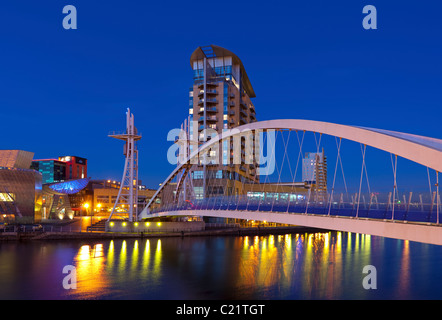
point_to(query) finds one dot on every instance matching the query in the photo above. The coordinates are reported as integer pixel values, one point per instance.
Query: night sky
(62, 91)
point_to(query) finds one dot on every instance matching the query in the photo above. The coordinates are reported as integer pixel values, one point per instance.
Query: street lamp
(86, 206)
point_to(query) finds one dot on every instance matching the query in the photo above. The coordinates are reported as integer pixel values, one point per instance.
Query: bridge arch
(422, 150)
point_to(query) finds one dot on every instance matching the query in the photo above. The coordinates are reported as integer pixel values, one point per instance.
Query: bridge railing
(413, 212)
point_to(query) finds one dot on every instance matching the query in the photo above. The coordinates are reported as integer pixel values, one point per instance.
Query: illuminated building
(20, 187)
(314, 173)
(220, 99)
(76, 167)
(61, 169)
(42, 192)
(56, 202)
(15, 159)
(51, 170)
(105, 193)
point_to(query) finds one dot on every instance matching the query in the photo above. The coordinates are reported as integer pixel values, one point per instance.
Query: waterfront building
(105, 193)
(219, 99)
(20, 187)
(61, 169)
(15, 159)
(20, 195)
(56, 202)
(32, 191)
(314, 173)
(76, 167)
(52, 170)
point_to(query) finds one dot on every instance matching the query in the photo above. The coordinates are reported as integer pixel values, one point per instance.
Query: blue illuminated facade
(70, 187)
(51, 170)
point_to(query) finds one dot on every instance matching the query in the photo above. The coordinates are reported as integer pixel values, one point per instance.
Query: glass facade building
(220, 99)
(52, 170)
(61, 169)
(314, 172)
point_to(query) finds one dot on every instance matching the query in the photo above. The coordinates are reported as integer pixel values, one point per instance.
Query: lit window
(6, 197)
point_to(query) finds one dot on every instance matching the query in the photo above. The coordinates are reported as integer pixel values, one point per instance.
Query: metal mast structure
(127, 199)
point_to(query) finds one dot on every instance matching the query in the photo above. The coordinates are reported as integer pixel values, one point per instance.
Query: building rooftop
(213, 51)
(16, 159)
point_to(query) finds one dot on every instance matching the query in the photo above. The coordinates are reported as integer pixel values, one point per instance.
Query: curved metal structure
(423, 150)
(66, 187)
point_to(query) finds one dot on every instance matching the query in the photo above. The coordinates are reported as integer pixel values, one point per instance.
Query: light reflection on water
(291, 266)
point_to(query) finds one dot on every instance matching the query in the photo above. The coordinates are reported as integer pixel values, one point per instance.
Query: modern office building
(61, 169)
(314, 173)
(76, 167)
(52, 170)
(105, 193)
(219, 99)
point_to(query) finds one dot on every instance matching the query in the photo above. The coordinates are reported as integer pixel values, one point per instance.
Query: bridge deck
(425, 232)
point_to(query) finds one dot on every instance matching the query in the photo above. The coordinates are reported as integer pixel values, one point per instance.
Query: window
(6, 197)
(255, 195)
(198, 175)
(102, 199)
(199, 194)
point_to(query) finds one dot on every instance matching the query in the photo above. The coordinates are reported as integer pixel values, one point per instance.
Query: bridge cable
(434, 195)
(334, 176)
(394, 185)
(342, 169)
(317, 151)
(366, 174)
(290, 169)
(274, 194)
(282, 166)
(261, 156)
(369, 189)
(252, 192)
(257, 162)
(360, 181)
(300, 143)
(437, 197)
(429, 179)
(267, 175)
(368, 186)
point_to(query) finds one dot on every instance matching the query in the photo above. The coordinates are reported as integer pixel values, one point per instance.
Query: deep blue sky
(62, 91)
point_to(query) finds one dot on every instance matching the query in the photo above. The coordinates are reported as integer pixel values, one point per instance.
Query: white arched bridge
(253, 172)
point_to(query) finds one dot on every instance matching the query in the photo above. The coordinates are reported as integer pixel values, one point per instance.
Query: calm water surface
(292, 266)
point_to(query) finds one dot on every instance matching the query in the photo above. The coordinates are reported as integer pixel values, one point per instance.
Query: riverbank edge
(33, 236)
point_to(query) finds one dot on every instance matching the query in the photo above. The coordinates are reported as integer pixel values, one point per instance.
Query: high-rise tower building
(220, 99)
(314, 173)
